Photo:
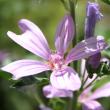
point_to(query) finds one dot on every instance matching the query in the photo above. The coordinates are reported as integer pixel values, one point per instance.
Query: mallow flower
(51, 92)
(89, 98)
(32, 39)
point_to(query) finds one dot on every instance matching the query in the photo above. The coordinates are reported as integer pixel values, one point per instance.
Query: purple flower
(51, 92)
(32, 39)
(93, 15)
(88, 99)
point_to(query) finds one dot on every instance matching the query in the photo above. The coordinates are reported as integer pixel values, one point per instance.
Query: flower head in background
(93, 15)
(32, 39)
(3, 56)
(88, 98)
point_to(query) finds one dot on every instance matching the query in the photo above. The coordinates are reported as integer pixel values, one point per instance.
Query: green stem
(74, 42)
(65, 4)
(73, 102)
(38, 99)
(75, 99)
(91, 82)
(83, 83)
(70, 104)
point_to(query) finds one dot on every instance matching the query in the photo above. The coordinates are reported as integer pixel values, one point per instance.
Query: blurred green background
(46, 14)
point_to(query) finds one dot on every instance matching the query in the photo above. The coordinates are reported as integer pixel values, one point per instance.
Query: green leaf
(41, 79)
(30, 80)
(101, 82)
(57, 104)
(23, 82)
(5, 75)
(106, 1)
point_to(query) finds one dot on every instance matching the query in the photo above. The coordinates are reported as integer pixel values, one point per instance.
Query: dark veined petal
(64, 34)
(86, 48)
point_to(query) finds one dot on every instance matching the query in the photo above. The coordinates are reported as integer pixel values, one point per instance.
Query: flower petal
(86, 48)
(69, 80)
(92, 105)
(23, 68)
(64, 34)
(104, 91)
(83, 97)
(32, 39)
(51, 92)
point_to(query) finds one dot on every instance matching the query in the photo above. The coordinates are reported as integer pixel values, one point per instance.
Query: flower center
(56, 62)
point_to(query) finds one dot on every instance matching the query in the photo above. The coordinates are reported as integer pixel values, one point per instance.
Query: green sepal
(103, 69)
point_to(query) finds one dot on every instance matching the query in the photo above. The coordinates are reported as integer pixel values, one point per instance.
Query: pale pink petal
(84, 95)
(31, 39)
(64, 34)
(92, 105)
(104, 91)
(69, 80)
(86, 48)
(23, 68)
(51, 92)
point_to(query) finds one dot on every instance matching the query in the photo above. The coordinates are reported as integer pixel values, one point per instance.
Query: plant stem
(91, 82)
(83, 83)
(38, 99)
(75, 99)
(65, 4)
(70, 104)
(74, 42)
